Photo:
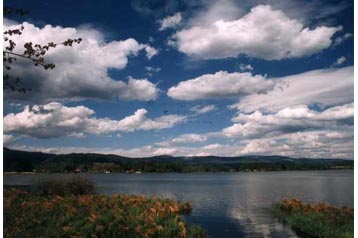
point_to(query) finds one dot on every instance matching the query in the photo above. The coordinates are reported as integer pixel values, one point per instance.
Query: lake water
(229, 204)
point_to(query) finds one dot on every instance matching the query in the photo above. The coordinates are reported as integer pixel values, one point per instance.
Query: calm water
(229, 204)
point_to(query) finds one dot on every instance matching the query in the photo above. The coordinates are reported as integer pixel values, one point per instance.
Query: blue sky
(182, 78)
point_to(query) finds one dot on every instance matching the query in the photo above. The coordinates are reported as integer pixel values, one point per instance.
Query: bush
(28, 215)
(69, 185)
(196, 232)
(316, 220)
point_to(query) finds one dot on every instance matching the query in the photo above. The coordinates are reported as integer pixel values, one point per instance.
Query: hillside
(22, 161)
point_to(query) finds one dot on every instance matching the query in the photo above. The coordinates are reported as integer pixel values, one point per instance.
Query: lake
(229, 204)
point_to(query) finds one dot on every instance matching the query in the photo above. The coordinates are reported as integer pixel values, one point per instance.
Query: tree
(33, 52)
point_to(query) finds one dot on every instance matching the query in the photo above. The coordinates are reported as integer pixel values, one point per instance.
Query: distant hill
(23, 161)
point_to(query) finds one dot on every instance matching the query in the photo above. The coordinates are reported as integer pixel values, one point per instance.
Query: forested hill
(22, 161)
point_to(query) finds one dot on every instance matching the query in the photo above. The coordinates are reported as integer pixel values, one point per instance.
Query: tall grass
(74, 184)
(29, 215)
(316, 220)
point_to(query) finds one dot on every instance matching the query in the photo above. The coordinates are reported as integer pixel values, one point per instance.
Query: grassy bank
(316, 220)
(29, 214)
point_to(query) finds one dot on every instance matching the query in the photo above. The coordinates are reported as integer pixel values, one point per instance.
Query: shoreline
(196, 172)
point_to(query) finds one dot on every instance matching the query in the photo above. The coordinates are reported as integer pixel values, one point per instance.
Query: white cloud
(261, 147)
(150, 51)
(215, 146)
(150, 70)
(309, 144)
(339, 61)
(325, 87)
(213, 11)
(262, 33)
(296, 131)
(189, 138)
(198, 109)
(139, 89)
(340, 39)
(246, 67)
(164, 151)
(288, 120)
(220, 85)
(56, 120)
(170, 21)
(82, 70)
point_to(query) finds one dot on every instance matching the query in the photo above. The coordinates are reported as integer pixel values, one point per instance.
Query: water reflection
(230, 204)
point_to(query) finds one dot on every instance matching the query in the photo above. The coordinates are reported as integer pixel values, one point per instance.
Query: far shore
(201, 172)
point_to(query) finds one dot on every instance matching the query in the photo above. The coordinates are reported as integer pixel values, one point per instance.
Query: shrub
(316, 220)
(69, 185)
(30, 215)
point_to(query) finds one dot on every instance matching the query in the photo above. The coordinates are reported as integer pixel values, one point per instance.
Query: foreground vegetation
(321, 220)
(68, 185)
(69, 208)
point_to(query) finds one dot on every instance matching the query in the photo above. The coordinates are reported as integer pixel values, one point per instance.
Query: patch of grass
(69, 185)
(316, 220)
(29, 214)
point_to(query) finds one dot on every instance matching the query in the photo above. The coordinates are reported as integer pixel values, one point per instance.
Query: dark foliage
(22, 161)
(13, 161)
(69, 185)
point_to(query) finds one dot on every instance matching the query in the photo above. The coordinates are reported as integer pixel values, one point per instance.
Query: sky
(185, 78)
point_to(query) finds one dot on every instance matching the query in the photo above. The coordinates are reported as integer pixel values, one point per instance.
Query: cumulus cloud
(82, 70)
(325, 87)
(198, 109)
(170, 21)
(139, 89)
(262, 33)
(220, 85)
(56, 120)
(288, 120)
